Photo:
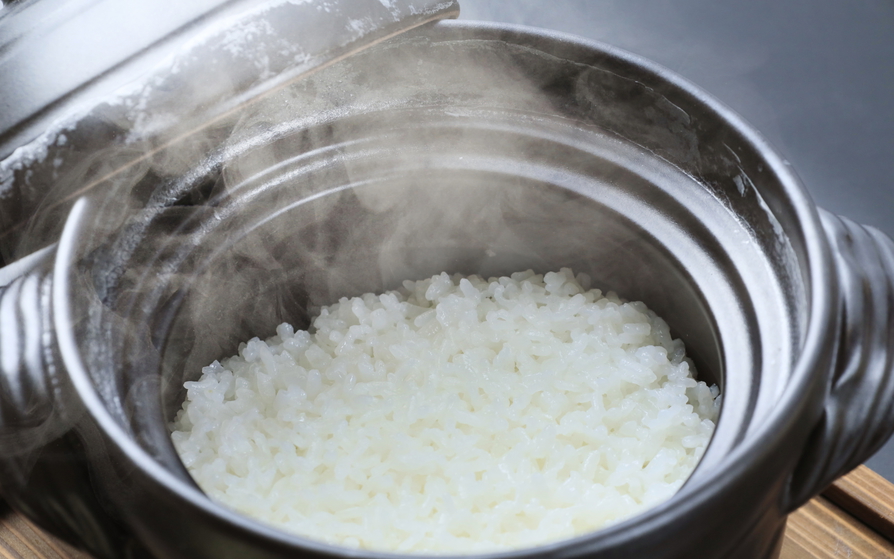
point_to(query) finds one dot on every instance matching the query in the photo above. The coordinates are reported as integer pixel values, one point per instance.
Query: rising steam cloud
(443, 150)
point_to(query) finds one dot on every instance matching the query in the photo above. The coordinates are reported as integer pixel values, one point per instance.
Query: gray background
(816, 77)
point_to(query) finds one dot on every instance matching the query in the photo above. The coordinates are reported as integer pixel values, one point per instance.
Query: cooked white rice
(454, 415)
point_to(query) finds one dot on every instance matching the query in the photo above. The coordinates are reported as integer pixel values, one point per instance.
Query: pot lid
(58, 57)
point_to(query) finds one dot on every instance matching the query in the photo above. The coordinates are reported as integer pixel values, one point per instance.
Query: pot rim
(755, 450)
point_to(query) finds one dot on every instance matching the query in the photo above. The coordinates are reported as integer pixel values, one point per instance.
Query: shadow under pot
(471, 149)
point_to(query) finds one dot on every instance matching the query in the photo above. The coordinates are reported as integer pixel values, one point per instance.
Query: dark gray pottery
(464, 147)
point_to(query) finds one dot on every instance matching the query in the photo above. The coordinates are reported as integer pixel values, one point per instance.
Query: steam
(251, 222)
(399, 163)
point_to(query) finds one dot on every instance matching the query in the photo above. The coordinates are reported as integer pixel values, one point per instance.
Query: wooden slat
(20, 539)
(821, 530)
(868, 497)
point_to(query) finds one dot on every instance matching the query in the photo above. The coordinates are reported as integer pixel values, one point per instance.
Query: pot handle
(858, 416)
(44, 468)
(27, 355)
